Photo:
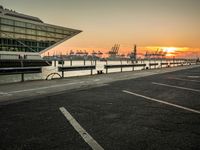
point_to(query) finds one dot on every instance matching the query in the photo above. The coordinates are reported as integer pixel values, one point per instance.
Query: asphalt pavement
(157, 111)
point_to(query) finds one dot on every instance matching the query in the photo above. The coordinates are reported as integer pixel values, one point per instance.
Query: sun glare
(169, 49)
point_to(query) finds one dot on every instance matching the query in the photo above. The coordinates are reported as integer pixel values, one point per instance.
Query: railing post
(121, 65)
(70, 61)
(91, 71)
(22, 77)
(84, 62)
(62, 74)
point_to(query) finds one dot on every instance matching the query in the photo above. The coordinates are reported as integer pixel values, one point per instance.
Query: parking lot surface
(154, 112)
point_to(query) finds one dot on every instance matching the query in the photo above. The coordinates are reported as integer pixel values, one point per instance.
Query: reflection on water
(51, 69)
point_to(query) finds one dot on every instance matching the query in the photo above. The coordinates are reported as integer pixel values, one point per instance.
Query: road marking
(163, 102)
(5, 94)
(183, 79)
(96, 80)
(83, 133)
(178, 87)
(45, 87)
(195, 77)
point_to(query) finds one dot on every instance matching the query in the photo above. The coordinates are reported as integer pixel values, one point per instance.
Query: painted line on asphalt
(83, 133)
(96, 80)
(194, 77)
(4, 94)
(184, 79)
(177, 87)
(45, 87)
(163, 102)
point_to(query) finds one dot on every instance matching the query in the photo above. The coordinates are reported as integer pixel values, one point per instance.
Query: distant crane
(114, 50)
(159, 53)
(133, 54)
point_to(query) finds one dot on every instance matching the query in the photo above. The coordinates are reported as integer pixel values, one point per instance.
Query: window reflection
(23, 36)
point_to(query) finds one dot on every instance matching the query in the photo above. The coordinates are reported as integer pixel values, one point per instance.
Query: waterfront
(99, 66)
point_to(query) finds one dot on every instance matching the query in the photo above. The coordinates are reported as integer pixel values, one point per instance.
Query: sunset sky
(170, 25)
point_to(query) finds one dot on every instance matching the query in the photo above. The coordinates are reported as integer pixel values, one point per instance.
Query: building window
(29, 25)
(30, 37)
(7, 21)
(20, 24)
(41, 38)
(44, 28)
(59, 30)
(41, 33)
(20, 30)
(7, 28)
(30, 31)
(50, 29)
(20, 36)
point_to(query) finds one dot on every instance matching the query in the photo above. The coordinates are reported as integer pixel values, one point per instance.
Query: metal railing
(76, 68)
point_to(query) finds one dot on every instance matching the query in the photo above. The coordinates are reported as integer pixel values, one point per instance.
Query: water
(51, 69)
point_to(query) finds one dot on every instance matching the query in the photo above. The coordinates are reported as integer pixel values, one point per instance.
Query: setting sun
(169, 49)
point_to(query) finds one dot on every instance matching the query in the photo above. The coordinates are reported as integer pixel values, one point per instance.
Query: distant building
(24, 33)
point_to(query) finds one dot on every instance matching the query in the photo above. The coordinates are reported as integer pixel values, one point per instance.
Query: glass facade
(29, 37)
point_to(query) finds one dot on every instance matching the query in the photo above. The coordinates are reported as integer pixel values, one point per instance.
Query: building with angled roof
(24, 33)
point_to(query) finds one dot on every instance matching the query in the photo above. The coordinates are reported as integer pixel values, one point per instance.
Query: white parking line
(4, 94)
(164, 102)
(83, 133)
(178, 87)
(194, 77)
(96, 80)
(184, 79)
(45, 87)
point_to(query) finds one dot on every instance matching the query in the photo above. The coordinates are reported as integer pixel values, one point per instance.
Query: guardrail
(176, 63)
(5, 63)
(153, 64)
(76, 68)
(20, 70)
(164, 64)
(123, 66)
